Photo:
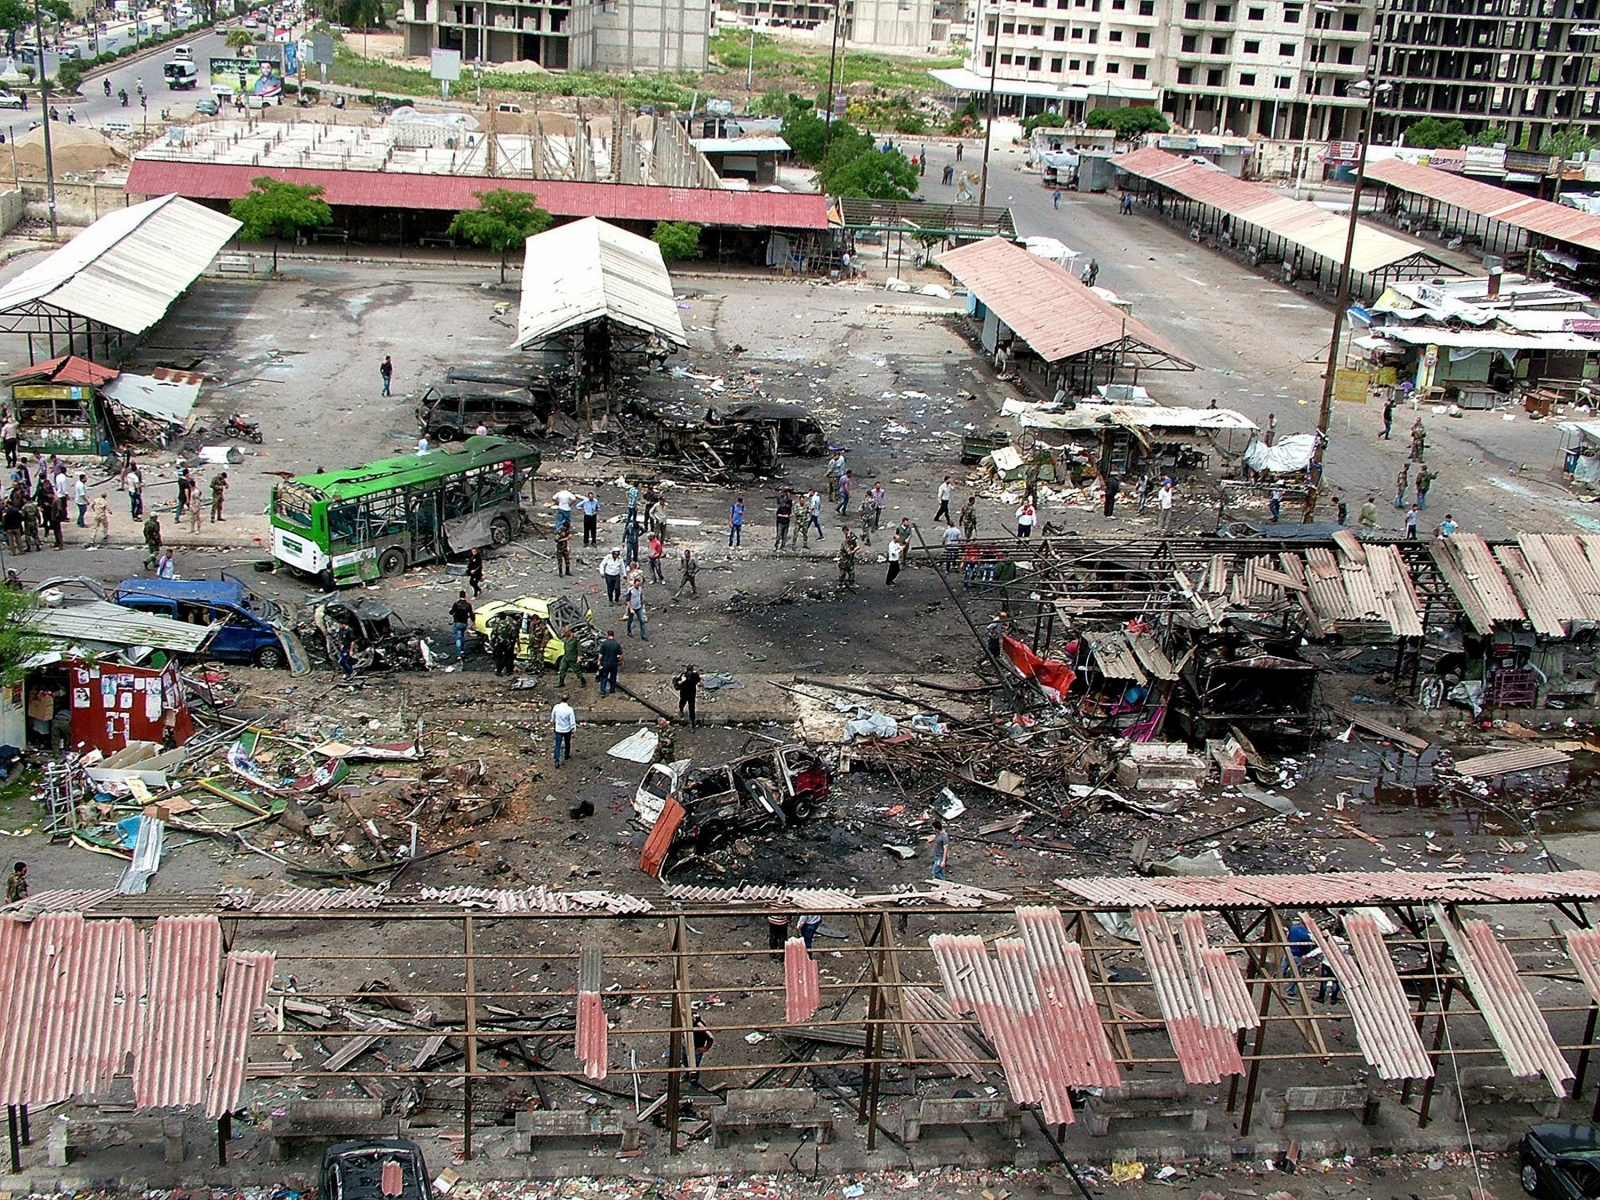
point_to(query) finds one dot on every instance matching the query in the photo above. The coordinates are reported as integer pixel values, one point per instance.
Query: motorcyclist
(122, 94)
(107, 83)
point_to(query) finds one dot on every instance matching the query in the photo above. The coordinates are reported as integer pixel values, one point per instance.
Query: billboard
(245, 77)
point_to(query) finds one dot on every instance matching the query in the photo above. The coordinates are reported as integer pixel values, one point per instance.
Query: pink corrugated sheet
(1200, 1010)
(244, 991)
(801, 991)
(592, 1035)
(176, 1044)
(1385, 1028)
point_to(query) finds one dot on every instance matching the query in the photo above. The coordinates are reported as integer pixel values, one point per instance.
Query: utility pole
(833, 58)
(988, 127)
(44, 107)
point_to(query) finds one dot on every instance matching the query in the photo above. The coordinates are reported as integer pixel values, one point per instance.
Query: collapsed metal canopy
(124, 271)
(925, 217)
(590, 270)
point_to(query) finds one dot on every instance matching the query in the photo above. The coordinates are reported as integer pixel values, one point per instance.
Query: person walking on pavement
(610, 661)
(503, 633)
(80, 497)
(9, 439)
(1342, 509)
(813, 516)
(1127, 203)
(736, 522)
(1055, 198)
(658, 551)
(611, 569)
(1400, 482)
(133, 484)
(630, 539)
(946, 493)
(785, 513)
(591, 519)
(1026, 516)
(843, 507)
(564, 500)
(219, 493)
(941, 849)
(958, 151)
(1368, 516)
(570, 650)
(563, 549)
(636, 609)
(1425, 479)
(969, 518)
(689, 568)
(102, 518)
(1109, 502)
(1388, 417)
(564, 721)
(186, 492)
(1419, 441)
(688, 685)
(475, 571)
(461, 621)
(386, 372)
(847, 560)
(875, 504)
(896, 552)
(1164, 505)
(152, 540)
(1411, 524)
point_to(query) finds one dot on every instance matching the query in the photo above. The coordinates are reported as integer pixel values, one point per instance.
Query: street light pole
(833, 58)
(988, 126)
(1342, 299)
(44, 111)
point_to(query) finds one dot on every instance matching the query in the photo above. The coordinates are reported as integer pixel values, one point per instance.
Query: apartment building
(914, 25)
(1277, 68)
(1521, 64)
(611, 35)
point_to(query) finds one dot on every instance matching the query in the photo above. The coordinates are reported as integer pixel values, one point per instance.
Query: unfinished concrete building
(615, 35)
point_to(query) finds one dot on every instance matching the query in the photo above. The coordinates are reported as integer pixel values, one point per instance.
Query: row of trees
(848, 161)
(502, 222)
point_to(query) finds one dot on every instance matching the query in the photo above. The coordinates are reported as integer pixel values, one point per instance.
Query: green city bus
(374, 521)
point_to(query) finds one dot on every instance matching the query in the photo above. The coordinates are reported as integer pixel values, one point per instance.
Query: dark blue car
(249, 627)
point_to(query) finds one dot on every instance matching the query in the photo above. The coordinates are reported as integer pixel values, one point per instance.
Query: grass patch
(778, 61)
(17, 807)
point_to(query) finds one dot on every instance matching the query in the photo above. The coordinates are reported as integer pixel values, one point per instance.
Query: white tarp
(170, 399)
(1285, 455)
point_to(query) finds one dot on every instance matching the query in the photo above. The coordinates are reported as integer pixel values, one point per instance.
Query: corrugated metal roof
(1068, 1002)
(801, 989)
(1475, 578)
(1555, 221)
(111, 624)
(69, 368)
(1504, 762)
(59, 900)
(1385, 1028)
(1337, 889)
(593, 1032)
(245, 982)
(1055, 314)
(1114, 657)
(1296, 221)
(126, 269)
(1200, 1005)
(452, 193)
(1583, 947)
(934, 1021)
(581, 272)
(176, 1044)
(1515, 1022)
(316, 899)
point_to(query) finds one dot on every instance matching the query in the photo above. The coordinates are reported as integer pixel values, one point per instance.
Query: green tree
(361, 14)
(503, 219)
(238, 39)
(1052, 120)
(1128, 123)
(272, 208)
(1566, 143)
(677, 239)
(69, 76)
(1493, 135)
(14, 14)
(19, 640)
(805, 132)
(854, 169)
(1430, 133)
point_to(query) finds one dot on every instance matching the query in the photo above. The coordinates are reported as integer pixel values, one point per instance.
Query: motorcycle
(239, 427)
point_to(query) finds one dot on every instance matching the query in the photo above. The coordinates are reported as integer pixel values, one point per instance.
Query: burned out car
(383, 639)
(769, 789)
(749, 437)
(452, 410)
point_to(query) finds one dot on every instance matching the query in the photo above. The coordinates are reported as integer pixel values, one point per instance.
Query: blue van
(250, 628)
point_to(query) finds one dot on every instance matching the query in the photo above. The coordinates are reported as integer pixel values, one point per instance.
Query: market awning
(100, 621)
(589, 271)
(68, 369)
(124, 271)
(964, 221)
(166, 395)
(1056, 315)
(1298, 222)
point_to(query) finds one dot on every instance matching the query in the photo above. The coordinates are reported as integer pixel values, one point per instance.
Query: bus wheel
(392, 562)
(500, 530)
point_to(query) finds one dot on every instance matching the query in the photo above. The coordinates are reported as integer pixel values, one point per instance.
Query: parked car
(379, 1169)
(251, 629)
(207, 106)
(769, 789)
(1561, 1162)
(532, 612)
(10, 100)
(452, 411)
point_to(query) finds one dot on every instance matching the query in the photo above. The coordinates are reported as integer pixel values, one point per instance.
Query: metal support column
(1434, 1055)
(471, 997)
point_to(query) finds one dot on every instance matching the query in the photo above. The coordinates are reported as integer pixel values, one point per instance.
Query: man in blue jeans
(1300, 945)
(565, 721)
(461, 619)
(610, 660)
(941, 848)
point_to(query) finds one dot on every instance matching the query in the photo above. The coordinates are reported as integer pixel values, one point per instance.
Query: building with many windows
(560, 35)
(915, 25)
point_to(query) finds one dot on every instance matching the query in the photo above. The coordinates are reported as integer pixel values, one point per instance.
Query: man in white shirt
(564, 500)
(952, 547)
(80, 497)
(947, 492)
(612, 567)
(1164, 501)
(896, 552)
(423, 446)
(565, 721)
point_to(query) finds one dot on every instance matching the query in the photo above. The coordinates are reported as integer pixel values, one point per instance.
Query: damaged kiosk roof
(588, 271)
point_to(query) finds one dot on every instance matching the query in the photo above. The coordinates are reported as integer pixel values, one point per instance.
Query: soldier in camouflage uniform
(847, 560)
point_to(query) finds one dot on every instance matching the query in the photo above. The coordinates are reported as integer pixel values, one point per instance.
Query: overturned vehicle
(766, 790)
